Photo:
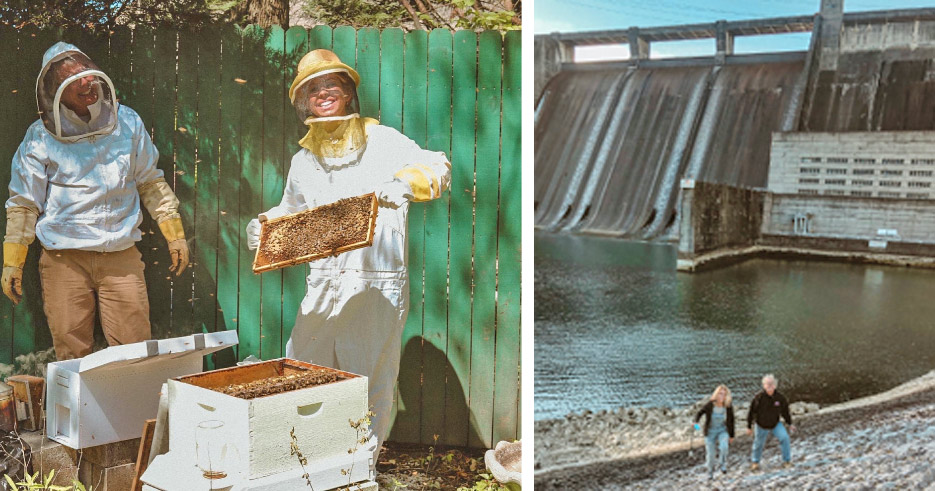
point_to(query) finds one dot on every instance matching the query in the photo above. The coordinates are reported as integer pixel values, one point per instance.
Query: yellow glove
(14, 256)
(178, 248)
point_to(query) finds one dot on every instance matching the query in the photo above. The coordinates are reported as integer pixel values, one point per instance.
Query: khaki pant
(74, 282)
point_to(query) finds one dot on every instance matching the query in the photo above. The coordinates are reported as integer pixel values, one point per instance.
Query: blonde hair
(727, 396)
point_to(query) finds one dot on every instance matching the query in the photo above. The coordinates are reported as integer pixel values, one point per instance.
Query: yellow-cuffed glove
(178, 248)
(14, 256)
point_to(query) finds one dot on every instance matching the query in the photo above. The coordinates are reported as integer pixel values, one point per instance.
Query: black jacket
(707, 409)
(766, 410)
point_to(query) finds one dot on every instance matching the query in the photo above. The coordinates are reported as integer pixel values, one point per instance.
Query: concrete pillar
(550, 53)
(725, 41)
(639, 46)
(832, 17)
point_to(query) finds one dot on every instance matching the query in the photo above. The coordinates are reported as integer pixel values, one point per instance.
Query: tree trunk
(264, 13)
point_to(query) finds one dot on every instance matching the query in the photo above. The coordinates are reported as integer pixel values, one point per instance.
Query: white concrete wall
(912, 220)
(874, 37)
(883, 165)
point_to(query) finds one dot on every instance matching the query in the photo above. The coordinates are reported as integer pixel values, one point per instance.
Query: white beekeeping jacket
(387, 160)
(80, 175)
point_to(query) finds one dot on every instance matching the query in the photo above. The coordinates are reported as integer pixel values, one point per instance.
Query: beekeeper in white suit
(76, 183)
(356, 303)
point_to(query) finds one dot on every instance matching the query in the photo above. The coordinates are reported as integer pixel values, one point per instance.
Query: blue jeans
(759, 440)
(716, 441)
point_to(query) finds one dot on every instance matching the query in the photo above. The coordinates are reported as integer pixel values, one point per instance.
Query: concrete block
(48, 455)
(116, 478)
(112, 454)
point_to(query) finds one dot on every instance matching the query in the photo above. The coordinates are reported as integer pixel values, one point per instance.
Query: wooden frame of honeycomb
(279, 249)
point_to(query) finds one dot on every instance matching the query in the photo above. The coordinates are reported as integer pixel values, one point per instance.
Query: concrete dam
(696, 150)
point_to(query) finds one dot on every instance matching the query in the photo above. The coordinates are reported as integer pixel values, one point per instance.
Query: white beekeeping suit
(355, 306)
(77, 183)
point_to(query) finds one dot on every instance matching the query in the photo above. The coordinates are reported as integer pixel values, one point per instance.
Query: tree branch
(413, 14)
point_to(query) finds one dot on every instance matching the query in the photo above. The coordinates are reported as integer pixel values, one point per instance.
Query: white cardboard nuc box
(106, 396)
(256, 432)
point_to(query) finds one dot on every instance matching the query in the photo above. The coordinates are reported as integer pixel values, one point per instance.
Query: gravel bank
(879, 441)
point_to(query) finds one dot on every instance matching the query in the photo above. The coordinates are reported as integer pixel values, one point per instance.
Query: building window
(917, 195)
(834, 192)
(920, 173)
(835, 171)
(864, 172)
(835, 182)
(861, 194)
(837, 160)
(808, 191)
(923, 161)
(894, 161)
(887, 172)
(808, 180)
(809, 170)
(888, 194)
(865, 161)
(811, 160)
(919, 184)
(891, 184)
(861, 182)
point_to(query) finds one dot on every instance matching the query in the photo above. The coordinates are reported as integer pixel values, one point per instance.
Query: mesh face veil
(331, 84)
(76, 99)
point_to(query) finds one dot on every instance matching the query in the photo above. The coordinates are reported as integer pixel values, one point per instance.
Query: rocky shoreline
(886, 438)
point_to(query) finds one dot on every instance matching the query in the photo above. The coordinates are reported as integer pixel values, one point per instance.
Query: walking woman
(718, 428)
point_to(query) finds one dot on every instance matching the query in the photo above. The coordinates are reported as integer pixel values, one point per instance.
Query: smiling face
(327, 96)
(80, 93)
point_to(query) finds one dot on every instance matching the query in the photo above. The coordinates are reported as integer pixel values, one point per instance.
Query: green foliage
(33, 483)
(461, 14)
(486, 482)
(101, 14)
(357, 13)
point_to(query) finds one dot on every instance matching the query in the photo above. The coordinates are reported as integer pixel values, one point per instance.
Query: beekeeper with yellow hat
(355, 305)
(77, 181)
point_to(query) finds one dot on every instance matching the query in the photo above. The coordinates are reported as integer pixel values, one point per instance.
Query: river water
(615, 325)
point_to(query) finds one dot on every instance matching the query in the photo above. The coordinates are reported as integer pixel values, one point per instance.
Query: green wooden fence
(217, 103)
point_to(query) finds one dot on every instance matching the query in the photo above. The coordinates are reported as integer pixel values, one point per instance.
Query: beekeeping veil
(332, 136)
(69, 78)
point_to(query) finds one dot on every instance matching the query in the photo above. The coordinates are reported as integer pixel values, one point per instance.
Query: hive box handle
(309, 410)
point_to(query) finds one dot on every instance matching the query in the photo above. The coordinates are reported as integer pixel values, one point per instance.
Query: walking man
(765, 410)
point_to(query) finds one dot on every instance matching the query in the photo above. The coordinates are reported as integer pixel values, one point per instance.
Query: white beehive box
(259, 429)
(106, 396)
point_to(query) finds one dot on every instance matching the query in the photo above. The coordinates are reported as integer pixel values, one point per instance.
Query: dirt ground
(408, 467)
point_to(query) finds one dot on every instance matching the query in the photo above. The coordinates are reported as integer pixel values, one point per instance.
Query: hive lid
(153, 350)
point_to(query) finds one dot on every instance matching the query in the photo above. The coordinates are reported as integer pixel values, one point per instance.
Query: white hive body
(106, 396)
(256, 433)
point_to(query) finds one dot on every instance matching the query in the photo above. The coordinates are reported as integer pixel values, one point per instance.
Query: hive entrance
(327, 230)
(266, 378)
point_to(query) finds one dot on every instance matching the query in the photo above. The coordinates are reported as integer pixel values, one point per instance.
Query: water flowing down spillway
(613, 144)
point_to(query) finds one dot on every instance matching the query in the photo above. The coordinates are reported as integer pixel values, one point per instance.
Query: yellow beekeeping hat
(316, 62)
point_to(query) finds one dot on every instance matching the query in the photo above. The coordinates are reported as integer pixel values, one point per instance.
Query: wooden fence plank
(435, 327)
(293, 288)
(391, 114)
(485, 235)
(230, 247)
(319, 37)
(251, 182)
(368, 66)
(16, 95)
(156, 256)
(509, 248)
(414, 126)
(204, 248)
(121, 62)
(457, 415)
(345, 44)
(187, 132)
(30, 329)
(273, 95)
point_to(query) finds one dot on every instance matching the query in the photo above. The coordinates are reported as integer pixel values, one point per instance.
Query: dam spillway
(614, 140)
